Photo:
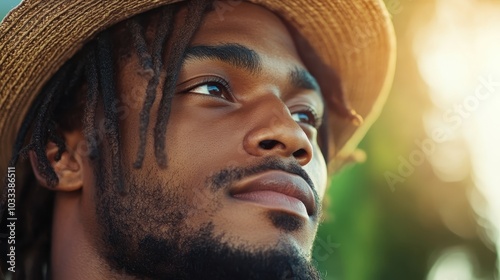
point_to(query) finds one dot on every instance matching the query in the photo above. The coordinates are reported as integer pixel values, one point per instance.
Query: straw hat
(353, 43)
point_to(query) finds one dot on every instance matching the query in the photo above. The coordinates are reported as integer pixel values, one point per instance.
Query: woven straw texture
(354, 39)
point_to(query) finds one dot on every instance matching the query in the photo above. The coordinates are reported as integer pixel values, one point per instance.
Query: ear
(68, 169)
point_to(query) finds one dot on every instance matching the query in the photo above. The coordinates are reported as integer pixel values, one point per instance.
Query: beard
(146, 233)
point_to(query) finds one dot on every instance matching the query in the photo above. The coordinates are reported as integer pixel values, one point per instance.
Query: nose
(275, 133)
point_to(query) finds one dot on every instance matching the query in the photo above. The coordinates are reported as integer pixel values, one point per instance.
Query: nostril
(300, 154)
(268, 144)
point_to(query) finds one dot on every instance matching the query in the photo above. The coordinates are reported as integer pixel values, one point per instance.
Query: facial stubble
(146, 233)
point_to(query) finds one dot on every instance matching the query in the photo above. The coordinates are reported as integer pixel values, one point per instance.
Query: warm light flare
(459, 59)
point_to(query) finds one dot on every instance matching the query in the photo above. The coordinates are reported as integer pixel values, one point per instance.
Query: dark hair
(71, 99)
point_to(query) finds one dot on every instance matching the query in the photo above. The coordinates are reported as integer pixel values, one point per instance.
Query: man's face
(245, 176)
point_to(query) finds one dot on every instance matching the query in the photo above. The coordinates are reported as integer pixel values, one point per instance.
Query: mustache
(225, 178)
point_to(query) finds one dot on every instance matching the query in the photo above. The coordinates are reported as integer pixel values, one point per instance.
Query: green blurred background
(405, 214)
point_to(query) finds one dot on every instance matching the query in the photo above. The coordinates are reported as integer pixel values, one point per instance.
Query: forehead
(250, 25)
(262, 33)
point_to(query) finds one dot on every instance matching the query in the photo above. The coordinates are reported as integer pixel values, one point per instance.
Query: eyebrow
(301, 78)
(234, 54)
(242, 57)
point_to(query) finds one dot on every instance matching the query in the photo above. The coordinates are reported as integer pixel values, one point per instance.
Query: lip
(277, 190)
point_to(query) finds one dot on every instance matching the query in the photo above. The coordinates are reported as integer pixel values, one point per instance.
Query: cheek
(203, 138)
(318, 171)
(195, 143)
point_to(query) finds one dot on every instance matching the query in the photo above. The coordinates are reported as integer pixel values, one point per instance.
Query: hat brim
(348, 45)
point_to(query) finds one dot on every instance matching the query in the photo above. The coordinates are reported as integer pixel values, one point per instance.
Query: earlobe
(68, 169)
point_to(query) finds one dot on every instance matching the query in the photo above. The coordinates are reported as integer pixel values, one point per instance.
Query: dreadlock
(178, 47)
(164, 29)
(106, 84)
(91, 75)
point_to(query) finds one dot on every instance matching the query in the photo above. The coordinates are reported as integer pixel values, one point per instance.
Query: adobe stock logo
(324, 248)
(454, 118)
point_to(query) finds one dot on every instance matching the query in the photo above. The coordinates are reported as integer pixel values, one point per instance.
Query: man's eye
(213, 88)
(308, 117)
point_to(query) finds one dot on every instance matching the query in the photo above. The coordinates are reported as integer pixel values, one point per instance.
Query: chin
(264, 229)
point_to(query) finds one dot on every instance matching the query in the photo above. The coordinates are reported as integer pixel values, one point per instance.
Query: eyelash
(317, 120)
(213, 80)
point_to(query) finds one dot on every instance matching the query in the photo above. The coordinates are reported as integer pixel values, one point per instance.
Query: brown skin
(205, 134)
